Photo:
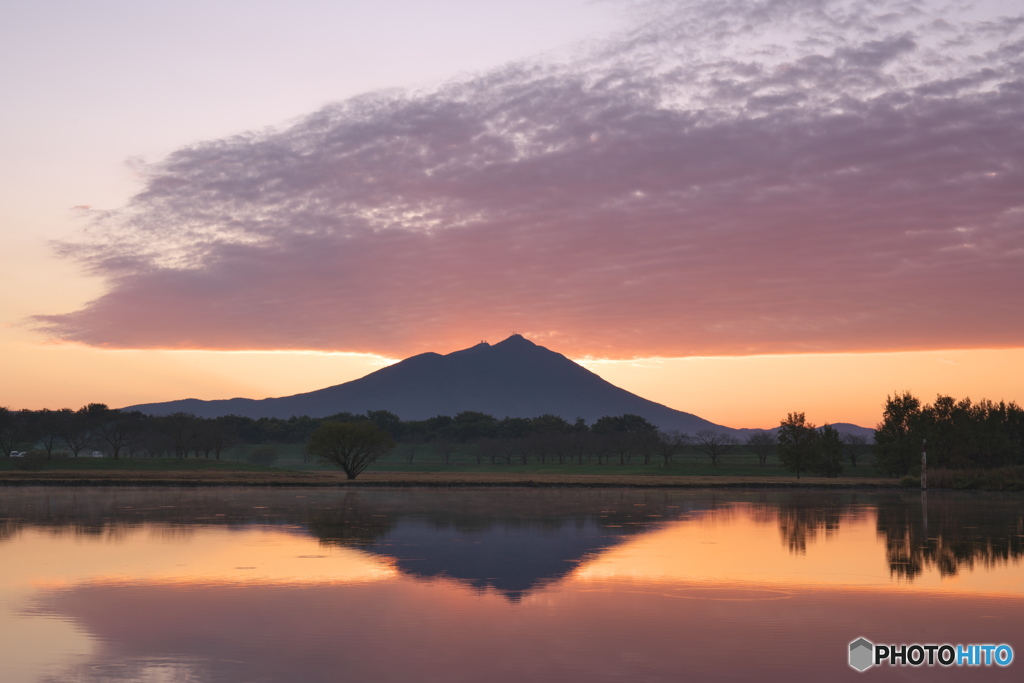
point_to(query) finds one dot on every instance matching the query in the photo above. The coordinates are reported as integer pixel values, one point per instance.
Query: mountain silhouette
(514, 378)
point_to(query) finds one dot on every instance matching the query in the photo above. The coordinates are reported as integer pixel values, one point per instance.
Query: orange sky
(751, 391)
(795, 241)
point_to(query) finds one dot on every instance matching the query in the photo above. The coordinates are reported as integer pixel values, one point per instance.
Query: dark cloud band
(726, 178)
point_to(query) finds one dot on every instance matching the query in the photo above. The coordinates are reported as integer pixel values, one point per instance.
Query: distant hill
(514, 378)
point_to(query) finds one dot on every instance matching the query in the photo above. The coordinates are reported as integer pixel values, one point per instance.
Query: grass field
(426, 459)
(426, 467)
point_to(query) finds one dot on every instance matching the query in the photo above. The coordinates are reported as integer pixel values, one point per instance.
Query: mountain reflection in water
(503, 585)
(515, 540)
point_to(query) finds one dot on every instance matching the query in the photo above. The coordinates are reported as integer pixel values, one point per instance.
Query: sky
(736, 208)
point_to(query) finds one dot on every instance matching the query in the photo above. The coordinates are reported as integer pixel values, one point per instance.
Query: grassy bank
(291, 470)
(998, 479)
(271, 477)
(424, 458)
(426, 469)
(290, 458)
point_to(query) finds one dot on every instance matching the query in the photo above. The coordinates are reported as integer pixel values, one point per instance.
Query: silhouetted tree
(114, 429)
(182, 431)
(470, 425)
(762, 443)
(445, 447)
(352, 446)
(46, 429)
(670, 442)
(830, 451)
(624, 434)
(854, 445)
(216, 436)
(76, 429)
(387, 421)
(714, 444)
(798, 444)
(898, 437)
(11, 431)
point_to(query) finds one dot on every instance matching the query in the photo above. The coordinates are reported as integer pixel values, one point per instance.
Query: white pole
(924, 465)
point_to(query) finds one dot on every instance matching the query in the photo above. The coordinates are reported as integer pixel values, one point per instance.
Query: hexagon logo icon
(862, 654)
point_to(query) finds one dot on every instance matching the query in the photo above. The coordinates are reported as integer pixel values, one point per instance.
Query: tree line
(955, 434)
(543, 439)
(958, 434)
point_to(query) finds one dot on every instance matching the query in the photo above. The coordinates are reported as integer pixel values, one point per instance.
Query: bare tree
(182, 431)
(762, 443)
(647, 444)
(117, 431)
(563, 446)
(625, 435)
(10, 430)
(670, 442)
(714, 444)
(48, 430)
(215, 437)
(445, 448)
(522, 448)
(854, 445)
(76, 429)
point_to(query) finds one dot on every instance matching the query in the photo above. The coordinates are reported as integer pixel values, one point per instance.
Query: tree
(386, 420)
(714, 444)
(854, 445)
(470, 425)
(48, 423)
(352, 446)
(762, 444)
(41, 427)
(830, 451)
(118, 430)
(76, 429)
(182, 432)
(798, 444)
(626, 434)
(897, 447)
(445, 448)
(216, 436)
(670, 442)
(10, 430)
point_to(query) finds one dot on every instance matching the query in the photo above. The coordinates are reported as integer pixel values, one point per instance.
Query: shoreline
(429, 480)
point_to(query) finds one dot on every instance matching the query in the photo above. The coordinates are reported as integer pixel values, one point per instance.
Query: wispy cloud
(724, 178)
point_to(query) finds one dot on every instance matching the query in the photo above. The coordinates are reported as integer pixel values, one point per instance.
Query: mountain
(514, 378)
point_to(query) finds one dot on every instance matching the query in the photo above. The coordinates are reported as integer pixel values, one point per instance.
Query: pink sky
(713, 179)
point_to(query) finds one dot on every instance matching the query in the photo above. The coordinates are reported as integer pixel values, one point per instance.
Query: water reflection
(804, 515)
(510, 540)
(494, 584)
(950, 533)
(516, 540)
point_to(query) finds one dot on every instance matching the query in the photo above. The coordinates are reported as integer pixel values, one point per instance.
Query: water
(498, 585)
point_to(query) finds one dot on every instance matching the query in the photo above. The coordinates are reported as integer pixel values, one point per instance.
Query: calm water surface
(498, 585)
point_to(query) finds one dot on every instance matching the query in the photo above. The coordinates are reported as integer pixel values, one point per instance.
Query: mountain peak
(482, 346)
(513, 378)
(515, 341)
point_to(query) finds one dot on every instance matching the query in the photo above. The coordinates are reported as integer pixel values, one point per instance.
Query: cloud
(723, 178)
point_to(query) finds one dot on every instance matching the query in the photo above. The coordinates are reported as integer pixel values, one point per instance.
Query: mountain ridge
(513, 378)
